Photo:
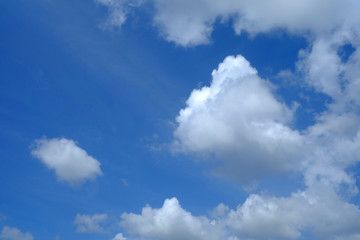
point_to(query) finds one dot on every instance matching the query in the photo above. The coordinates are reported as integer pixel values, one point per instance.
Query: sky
(179, 119)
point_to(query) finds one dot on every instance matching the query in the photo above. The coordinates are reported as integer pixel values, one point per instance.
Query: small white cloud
(9, 233)
(87, 223)
(119, 236)
(71, 163)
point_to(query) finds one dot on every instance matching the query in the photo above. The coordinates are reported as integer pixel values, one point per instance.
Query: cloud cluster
(71, 163)
(9, 233)
(239, 119)
(242, 127)
(88, 223)
(191, 22)
(239, 124)
(326, 216)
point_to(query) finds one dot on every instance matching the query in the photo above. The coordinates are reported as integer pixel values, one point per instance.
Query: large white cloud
(323, 216)
(71, 163)
(239, 119)
(11, 233)
(88, 223)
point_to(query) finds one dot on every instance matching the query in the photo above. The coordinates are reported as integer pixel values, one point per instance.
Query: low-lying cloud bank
(326, 216)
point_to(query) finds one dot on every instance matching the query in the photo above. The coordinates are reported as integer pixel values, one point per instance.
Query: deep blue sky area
(116, 93)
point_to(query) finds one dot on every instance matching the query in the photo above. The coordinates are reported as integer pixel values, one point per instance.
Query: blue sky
(169, 120)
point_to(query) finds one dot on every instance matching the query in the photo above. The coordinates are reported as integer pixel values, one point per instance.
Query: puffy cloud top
(239, 119)
(170, 222)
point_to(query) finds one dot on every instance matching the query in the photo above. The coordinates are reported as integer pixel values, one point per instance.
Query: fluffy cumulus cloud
(191, 22)
(11, 233)
(241, 126)
(88, 223)
(326, 216)
(239, 119)
(71, 163)
(170, 222)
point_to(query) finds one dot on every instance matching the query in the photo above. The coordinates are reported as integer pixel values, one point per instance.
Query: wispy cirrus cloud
(90, 223)
(118, 11)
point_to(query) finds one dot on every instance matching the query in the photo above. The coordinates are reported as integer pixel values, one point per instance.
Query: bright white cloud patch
(119, 236)
(260, 217)
(170, 222)
(9, 233)
(190, 22)
(88, 223)
(71, 163)
(239, 120)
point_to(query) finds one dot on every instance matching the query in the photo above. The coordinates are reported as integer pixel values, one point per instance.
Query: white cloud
(239, 119)
(71, 163)
(316, 210)
(190, 22)
(324, 216)
(119, 236)
(239, 124)
(88, 223)
(213, 123)
(170, 222)
(9, 233)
